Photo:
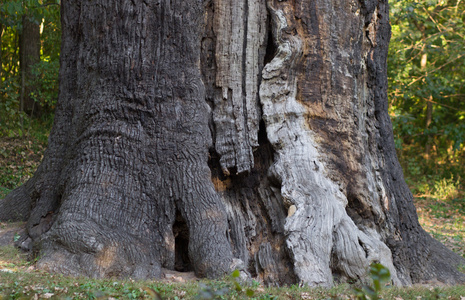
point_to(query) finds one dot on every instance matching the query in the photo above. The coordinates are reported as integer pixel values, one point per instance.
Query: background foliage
(427, 68)
(46, 14)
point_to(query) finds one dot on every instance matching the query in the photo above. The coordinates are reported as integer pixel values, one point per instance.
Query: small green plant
(16, 237)
(3, 192)
(211, 292)
(446, 188)
(380, 276)
(236, 275)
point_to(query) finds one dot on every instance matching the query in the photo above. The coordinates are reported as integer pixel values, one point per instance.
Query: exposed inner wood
(240, 30)
(317, 228)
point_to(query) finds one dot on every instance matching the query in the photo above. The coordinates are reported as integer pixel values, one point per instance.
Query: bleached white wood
(320, 235)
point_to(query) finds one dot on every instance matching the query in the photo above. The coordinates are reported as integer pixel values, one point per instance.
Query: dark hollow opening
(271, 47)
(181, 244)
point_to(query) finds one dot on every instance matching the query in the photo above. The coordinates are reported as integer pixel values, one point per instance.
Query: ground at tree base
(19, 278)
(17, 272)
(10, 231)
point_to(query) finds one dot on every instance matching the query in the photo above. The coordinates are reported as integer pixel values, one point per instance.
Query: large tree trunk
(249, 134)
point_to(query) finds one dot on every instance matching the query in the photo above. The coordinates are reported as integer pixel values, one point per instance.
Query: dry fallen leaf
(305, 296)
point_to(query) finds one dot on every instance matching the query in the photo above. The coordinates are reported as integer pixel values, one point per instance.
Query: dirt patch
(170, 276)
(8, 231)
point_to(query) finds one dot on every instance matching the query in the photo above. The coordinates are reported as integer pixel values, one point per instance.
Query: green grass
(19, 280)
(438, 187)
(4, 191)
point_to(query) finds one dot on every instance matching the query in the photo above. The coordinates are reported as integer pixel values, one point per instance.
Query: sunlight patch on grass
(444, 220)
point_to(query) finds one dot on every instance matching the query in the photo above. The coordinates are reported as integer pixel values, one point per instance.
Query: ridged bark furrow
(256, 214)
(253, 205)
(240, 30)
(130, 147)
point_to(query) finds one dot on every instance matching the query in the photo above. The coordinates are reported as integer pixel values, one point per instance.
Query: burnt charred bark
(214, 135)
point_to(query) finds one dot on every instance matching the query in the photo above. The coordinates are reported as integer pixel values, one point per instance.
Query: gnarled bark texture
(214, 135)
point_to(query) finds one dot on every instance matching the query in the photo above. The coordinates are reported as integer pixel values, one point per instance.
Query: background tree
(29, 49)
(250, 135)
(426, 75)
(36, 55)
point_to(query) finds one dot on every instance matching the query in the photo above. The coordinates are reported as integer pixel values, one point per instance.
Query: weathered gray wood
(318, 229)
(240, 29)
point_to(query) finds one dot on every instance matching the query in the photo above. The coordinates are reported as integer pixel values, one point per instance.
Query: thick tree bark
(30, 55)
(249, 134)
